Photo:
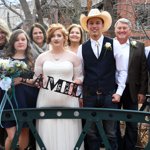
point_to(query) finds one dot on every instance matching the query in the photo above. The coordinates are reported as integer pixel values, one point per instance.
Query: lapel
(131, 52)
(103, 50)
(89, 45)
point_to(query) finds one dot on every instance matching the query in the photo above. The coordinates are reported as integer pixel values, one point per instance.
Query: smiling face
(38, 36)
(20, 43)
(122, 32)
(95, 26)
(75, 35)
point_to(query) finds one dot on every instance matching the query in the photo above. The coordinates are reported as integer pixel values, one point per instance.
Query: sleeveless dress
(58, 134)
(26, 97)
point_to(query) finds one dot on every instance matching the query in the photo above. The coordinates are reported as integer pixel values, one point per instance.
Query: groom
(104, 73)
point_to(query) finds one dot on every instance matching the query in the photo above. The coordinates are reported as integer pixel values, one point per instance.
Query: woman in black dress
(19, 49)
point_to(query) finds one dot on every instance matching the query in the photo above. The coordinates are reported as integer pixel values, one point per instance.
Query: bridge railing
(88, 114)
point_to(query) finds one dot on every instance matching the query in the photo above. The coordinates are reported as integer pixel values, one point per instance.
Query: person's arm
(17, 80)
(121, 68)
(147, 50)
(39, 78)
(79, 54)
(78, 70)
(78, 78)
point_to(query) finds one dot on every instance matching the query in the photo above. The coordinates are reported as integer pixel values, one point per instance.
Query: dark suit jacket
(137, 71)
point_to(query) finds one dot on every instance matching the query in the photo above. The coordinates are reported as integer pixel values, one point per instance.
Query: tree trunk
(77, 7)
(28, 16)
(39, 11)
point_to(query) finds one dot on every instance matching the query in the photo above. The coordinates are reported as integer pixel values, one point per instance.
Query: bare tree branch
(11, 9)
(26, 10)
(39, 12)
(137, 17)
(56, 3)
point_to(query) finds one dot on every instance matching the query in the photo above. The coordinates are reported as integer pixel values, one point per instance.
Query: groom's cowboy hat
(95, 13)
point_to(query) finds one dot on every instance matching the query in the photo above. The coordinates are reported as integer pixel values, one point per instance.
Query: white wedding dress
(58, 134)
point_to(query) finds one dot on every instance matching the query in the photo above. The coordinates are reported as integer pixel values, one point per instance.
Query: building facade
(138, 12)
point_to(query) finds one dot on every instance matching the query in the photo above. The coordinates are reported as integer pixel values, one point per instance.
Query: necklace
(57, 56)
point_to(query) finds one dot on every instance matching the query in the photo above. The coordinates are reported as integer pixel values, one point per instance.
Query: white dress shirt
(94, 45)
(121, 63)
(124, 49)
(147, 50)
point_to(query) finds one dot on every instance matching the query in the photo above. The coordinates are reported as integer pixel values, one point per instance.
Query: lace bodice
(66, 66)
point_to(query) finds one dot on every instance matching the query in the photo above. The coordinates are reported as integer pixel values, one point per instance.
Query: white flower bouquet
(10, 69)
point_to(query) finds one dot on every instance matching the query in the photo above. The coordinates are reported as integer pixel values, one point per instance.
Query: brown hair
(41, 27)
(52, 28)
(11, 49)
(81, 32)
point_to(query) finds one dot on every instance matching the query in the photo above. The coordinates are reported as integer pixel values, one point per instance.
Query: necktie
(97, 46)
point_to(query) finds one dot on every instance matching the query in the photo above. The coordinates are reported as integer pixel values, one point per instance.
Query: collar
(128, 42)
(100, 40)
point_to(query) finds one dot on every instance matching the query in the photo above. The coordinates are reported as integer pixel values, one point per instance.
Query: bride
(59, 63)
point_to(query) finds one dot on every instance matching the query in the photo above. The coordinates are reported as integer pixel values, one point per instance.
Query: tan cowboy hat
(104, 15)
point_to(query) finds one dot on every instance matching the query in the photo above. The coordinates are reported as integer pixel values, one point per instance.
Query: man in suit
(101, 59)
(137, 80)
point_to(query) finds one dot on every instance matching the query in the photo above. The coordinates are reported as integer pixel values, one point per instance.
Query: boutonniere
(108, 46)
(133, 43)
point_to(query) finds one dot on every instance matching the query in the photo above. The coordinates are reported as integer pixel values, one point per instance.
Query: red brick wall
(126, 9)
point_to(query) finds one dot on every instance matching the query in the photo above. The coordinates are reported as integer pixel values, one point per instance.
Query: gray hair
(124, 20)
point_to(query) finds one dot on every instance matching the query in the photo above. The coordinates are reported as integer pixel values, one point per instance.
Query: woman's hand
(20, 80)
(77, 81)
(17, 80)
(38, 82)
(73, 85)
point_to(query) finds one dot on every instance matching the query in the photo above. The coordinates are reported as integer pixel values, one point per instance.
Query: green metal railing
(89, 114)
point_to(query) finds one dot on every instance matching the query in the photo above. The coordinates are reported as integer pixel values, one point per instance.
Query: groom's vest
(99, 74)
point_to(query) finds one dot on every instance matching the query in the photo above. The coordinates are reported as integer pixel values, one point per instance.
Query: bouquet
(10, 69)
